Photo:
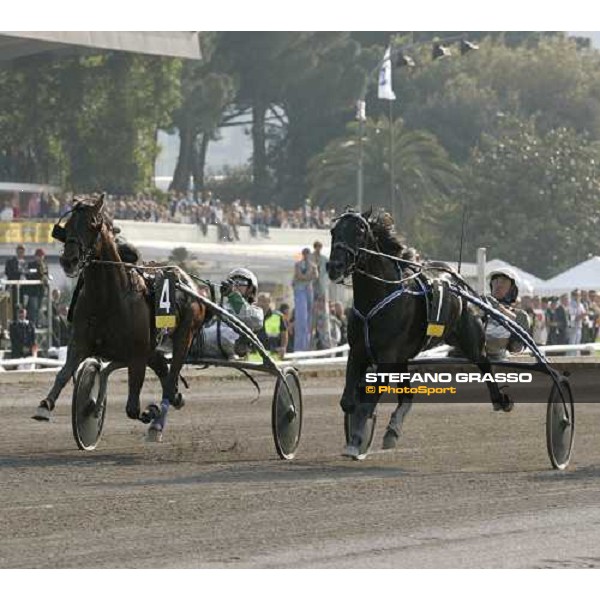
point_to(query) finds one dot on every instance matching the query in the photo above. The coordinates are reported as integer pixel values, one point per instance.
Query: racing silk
(498, 340)
(218, 339)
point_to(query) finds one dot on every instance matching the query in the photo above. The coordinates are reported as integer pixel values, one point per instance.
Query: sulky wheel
(286, 414)
(367, 439)
(560, 425)
(88, 407)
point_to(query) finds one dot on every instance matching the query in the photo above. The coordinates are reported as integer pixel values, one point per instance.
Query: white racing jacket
(221, 341)
(498, 339)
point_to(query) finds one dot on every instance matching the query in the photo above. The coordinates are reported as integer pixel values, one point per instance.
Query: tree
(260, 63)
(113, 105)
(311, 81)
(551, 78)
(534, 200)
(206, 92)
(423, 174)
(30, 147)
(87, 122)
(318, 103)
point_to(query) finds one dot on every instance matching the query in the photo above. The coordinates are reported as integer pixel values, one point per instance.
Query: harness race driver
(238, 295)
(504, 293)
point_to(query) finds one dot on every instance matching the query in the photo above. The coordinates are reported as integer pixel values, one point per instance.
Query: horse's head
(350, 233)
(80, 235)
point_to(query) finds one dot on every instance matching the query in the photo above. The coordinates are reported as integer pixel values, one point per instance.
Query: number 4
(165, 300)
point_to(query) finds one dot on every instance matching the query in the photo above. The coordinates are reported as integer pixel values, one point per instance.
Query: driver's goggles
(240, 281)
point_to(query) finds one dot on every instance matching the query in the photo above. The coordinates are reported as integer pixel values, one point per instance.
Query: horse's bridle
(86, 254)
(359, 252)
(353, 252)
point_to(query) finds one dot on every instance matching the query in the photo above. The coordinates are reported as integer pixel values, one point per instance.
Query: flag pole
(386, 92)
(395, 213)
(361, 116)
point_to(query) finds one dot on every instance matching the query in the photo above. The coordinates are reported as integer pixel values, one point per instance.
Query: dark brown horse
(114, 316)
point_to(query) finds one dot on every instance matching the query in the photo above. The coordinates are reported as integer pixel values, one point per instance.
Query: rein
(390, 298)
(421, 267)
(86, 255)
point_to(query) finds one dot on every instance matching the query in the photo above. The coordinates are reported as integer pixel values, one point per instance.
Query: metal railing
(313, 358)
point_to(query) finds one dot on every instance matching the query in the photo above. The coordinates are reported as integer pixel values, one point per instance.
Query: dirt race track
(467, 487)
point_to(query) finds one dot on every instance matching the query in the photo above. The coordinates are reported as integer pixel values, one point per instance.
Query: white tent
(584, 276)
(527, 283)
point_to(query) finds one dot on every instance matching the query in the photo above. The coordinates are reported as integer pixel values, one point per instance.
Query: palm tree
(424, 176)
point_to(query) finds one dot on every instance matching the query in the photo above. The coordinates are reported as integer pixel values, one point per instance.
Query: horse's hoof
(44, 410)
(152, 412)
(42, 413)
(353, 452)
(133, 414)
(390, 439)
(154, 435)
(178, 401)
(505, 404)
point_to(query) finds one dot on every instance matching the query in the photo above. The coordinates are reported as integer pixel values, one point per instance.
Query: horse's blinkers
(85, 254)
(59, 233)
(349, 250)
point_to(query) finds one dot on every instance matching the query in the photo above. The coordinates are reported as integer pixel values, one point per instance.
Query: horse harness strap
(378, 308)
(438, 306)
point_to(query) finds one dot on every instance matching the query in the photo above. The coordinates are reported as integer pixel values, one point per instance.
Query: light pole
(439, 51)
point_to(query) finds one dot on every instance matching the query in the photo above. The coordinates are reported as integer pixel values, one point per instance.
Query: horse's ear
(99, 204)
(368, 213)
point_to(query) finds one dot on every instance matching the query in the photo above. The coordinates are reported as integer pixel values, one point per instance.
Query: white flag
(385, 90)
(361, 110)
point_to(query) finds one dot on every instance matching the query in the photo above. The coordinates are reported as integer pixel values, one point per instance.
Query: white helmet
(504, 272)
(247, 274)
(512, 295)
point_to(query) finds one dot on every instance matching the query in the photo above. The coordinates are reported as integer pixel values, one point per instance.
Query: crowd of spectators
(567, 319)
(26, 286)
(180, 208)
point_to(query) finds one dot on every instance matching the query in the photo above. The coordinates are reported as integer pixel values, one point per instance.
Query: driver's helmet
(248, 277)
(513, 293)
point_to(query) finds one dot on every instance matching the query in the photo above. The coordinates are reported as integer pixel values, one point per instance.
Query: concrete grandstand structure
(18, 44)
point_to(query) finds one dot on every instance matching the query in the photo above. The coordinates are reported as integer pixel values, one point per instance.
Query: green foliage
(521, 118)
(30, 146)
(88, 122)
(318, 105)
(116, 102)
(233, 183)
(424, 176)
(552, 80)
(314, 78)
(534, 200)
(206, 92)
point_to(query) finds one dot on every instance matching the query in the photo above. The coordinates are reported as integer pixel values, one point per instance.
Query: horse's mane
(382, 226)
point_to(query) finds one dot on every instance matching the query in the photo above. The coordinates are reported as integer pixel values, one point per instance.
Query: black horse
(113, 315)
(389, 321)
